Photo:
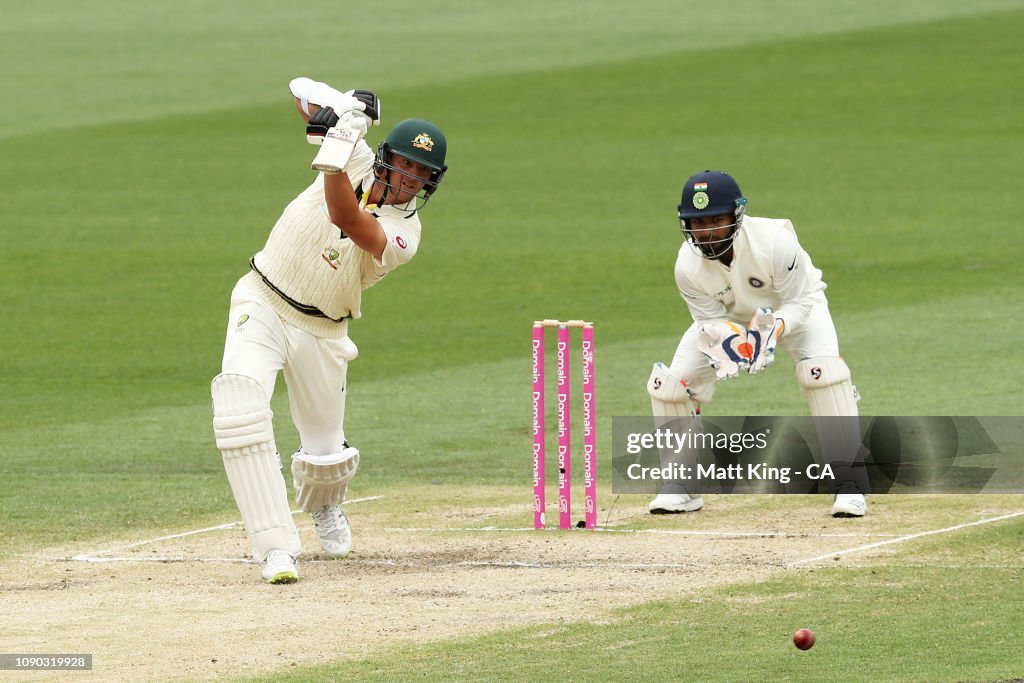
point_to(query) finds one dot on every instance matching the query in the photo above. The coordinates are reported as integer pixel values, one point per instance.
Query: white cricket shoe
(671, 503)
(849, 505)
(332, 529)
(279, 567)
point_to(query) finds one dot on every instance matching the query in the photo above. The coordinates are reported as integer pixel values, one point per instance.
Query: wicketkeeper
(750, 286)
(356, 223)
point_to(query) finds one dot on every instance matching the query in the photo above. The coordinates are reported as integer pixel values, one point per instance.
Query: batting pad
(669, 395)
(673, 409)
(323, 479)
(243, 427)
(826, 382)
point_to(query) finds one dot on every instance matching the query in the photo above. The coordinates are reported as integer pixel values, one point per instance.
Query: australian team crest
(331, 255)
(424, 142)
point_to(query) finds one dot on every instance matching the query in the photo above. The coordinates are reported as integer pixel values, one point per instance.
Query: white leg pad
(673, 408)
(323, 479)
(243, 427)
(670, 396)
(826, 382)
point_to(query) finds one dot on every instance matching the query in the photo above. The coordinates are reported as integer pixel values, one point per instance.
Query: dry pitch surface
(193, 607)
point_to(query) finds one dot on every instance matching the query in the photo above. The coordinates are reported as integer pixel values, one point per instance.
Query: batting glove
(371, 105)
(725, 345)
(320, 122)
(762, 336)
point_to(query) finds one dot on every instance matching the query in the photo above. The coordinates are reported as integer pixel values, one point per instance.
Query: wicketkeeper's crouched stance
(749, 285)
(356, 223)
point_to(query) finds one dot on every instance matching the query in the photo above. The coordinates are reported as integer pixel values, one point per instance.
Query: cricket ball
(804, 638)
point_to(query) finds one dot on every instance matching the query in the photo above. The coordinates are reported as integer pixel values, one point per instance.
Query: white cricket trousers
(259, 344)
(816, 338)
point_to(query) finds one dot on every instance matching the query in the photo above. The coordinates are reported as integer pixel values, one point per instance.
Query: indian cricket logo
(701, 199)
(330, 254)
(423, 141)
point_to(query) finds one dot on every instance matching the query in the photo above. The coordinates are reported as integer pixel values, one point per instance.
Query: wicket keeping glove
(725, 345)
(763, 335)
(340, 141)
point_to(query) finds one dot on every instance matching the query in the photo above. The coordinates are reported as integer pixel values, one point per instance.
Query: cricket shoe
(279, 567)
(849, 505)
(672, 503)
(332, 529)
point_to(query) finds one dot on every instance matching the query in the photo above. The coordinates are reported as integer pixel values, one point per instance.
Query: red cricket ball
(804, 638)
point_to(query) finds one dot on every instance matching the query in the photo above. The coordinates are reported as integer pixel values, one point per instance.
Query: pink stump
(589, 428)
(564, 442)
(539, 505)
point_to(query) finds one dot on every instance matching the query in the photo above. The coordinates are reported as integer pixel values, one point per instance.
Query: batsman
(750, 286)
(357, 222)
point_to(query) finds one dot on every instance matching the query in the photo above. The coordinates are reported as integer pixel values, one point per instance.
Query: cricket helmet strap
(417, 140)
(711, 193)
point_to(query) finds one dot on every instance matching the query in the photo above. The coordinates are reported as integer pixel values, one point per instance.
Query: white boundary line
(98, 559)
(95, 555)
(939, 565)
(901, 539)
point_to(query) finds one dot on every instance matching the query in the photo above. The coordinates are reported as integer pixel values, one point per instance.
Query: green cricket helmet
(417, 140)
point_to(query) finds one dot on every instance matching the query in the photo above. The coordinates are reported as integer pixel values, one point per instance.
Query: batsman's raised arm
(357, 224)
(396, 184)
(306, 112)
(312, 95)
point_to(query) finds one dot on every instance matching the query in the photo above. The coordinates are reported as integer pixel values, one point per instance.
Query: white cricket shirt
(769, 268)
(307, 261)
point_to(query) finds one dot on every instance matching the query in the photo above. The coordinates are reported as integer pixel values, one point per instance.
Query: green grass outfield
(145, 152)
